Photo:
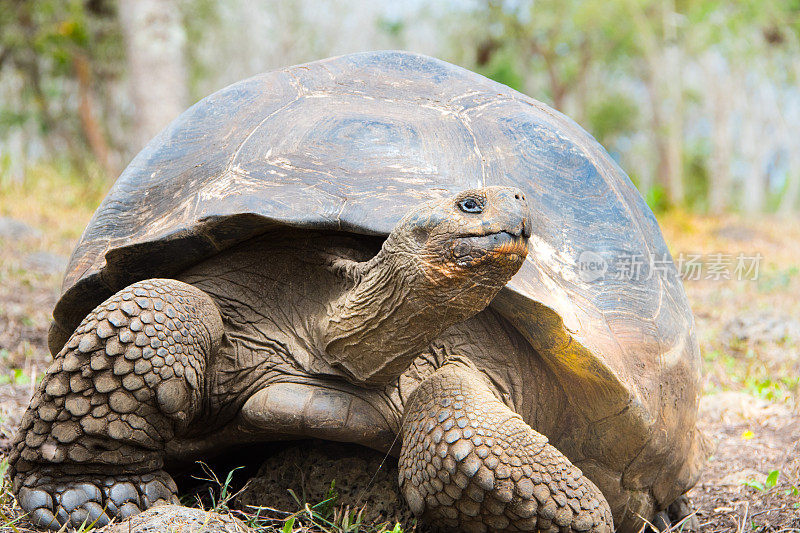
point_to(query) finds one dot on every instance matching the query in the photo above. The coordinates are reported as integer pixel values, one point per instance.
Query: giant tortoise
(380, 248)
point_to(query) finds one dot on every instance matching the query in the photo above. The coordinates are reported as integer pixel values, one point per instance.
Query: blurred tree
(154, 39)
(655, 25)
(619, 68)
(720, 104)
(572, 44)
(51, 47)
(521, 43)
(699, 100)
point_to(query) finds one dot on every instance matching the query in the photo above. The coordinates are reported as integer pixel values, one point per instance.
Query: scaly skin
(469, 463)
(91, 443)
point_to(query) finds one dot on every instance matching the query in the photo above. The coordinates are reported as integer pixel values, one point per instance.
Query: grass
(58, 203)
(325, 516)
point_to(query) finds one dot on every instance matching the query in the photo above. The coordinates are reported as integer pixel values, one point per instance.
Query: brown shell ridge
(232, 160)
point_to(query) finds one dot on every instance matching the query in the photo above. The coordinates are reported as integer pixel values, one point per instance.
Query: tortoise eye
(471, 205)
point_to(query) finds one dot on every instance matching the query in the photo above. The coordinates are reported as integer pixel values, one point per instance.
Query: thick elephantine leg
(470, 463)
(90, 446)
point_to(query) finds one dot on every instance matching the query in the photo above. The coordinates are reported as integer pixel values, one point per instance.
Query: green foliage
(198, 16)
(329, 501)
(502, 69)
(7, 522)
(776, 279)
(753, 484)
(583, 57)
(772, 479)
(603, 63)
(613, 115)
(553, 40)
(326, 516)
(696, 175)
(42, 43)
(779, 389)
(16, 377)
(770, 482)
(656, 198)
(219, 492)
(392, 27)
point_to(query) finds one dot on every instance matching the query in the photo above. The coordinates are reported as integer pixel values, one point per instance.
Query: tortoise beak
(526, 227)
(511, 202)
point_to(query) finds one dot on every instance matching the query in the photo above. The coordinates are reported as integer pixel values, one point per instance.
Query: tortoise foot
(90, 445)
(470, 463)
(53, 501)
(679, 516)
(682, 515)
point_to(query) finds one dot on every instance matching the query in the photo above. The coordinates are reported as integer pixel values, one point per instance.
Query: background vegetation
(698, 100)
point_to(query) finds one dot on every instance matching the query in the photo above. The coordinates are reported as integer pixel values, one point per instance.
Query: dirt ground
(749, 332)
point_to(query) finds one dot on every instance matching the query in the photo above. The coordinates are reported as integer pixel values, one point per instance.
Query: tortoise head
(442, 263)
(477, 237)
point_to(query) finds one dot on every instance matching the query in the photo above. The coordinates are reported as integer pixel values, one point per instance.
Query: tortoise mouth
(474, 249)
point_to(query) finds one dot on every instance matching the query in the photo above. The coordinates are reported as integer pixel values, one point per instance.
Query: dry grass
(750, 404)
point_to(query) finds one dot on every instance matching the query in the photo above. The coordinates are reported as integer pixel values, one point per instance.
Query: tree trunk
(662, 76)
(754, 190)
(662, 132)
(86, 106)
(673, 89)
(154, 39)
(719, 187)
(792, 191)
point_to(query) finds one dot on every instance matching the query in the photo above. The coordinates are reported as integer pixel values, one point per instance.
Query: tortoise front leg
(470, 463)
(91, 444)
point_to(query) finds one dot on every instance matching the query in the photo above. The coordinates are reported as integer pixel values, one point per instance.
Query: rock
(362, 478)
(13, 229)
(172, 518)
(734, 408)
(736, 232)
(762, 326)
(45, 262)
(737, 479)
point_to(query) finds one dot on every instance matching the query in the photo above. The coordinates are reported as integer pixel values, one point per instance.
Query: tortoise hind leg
(90, 446)
(470, 463)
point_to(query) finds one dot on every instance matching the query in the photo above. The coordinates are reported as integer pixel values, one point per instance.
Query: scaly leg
(90, 446)
(470, 463)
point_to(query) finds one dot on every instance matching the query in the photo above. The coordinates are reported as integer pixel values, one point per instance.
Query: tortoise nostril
(516, 196)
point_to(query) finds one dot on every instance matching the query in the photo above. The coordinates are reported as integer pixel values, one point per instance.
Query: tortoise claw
(661, 523)
(74, 501)
(682, 514)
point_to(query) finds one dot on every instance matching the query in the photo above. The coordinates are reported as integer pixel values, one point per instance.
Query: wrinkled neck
(375, 329)
(393, 311)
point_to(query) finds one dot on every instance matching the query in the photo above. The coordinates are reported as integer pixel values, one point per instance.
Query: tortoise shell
(351, 143)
